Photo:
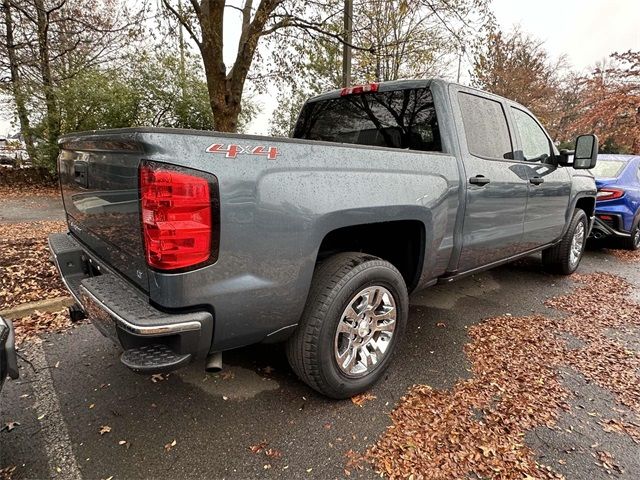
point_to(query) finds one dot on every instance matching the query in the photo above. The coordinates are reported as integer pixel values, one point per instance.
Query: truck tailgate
(99, 183)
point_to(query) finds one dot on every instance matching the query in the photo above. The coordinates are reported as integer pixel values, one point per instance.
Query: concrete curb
(44, 306)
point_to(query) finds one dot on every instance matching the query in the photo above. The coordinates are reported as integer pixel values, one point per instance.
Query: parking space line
(61, 459)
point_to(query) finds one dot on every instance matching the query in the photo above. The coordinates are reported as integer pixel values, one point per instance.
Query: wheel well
(401, 243)
(588, 205)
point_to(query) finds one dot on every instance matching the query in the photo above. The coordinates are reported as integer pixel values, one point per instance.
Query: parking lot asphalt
(81, 414)
(29, 208)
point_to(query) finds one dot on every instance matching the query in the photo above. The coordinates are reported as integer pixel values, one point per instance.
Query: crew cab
(183, 244)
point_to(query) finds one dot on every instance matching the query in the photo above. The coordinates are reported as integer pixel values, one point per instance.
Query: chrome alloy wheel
(577, 244)
(365, 331)
(636, 235)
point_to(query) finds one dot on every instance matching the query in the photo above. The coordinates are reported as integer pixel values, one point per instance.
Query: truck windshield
(396, 119)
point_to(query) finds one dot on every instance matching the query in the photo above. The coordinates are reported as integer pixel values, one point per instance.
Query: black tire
(633, 242)
(557, 259)
(335, 283)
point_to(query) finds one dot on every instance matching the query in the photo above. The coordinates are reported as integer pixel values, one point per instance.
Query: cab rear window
(403, 119)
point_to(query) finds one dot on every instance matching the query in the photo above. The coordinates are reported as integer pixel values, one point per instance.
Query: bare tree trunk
(53, 116)
(16, 85)
(346, 48)
(225, 90)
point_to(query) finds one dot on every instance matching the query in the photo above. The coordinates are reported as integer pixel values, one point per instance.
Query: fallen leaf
(363, 398)
(273, 453)
(10, 426)
(258, 447)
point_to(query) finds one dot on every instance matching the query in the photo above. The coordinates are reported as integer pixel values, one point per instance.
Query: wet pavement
(31, 208)
(75, 386)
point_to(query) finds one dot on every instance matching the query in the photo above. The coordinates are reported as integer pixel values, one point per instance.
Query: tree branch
(297, 22)
(183, 22)
(56, 8)
(196, 7)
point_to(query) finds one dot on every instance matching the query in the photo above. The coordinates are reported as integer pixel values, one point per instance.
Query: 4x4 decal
(232, 151)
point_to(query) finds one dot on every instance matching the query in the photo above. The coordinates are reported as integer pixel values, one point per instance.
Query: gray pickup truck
(183, 244)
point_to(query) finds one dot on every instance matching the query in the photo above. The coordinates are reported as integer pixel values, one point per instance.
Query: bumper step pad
(156, 358)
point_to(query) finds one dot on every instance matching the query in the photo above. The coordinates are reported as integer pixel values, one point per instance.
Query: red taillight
(371, 87)
(177, 219)
(609, 194)
(607, 218)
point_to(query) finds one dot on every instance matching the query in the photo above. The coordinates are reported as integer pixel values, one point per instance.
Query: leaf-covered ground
(29, 328)
(477, 429)
(26, 271)
(623, 254)
(28, 191)
(27, 275)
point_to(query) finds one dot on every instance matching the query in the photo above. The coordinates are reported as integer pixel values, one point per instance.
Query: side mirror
(586, 154)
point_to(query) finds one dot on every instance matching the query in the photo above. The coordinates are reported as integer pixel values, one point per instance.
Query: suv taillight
(609, 194)
(179, 217)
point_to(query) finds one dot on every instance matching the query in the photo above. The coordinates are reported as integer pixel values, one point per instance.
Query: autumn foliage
(516, 66)
(605, 102)
(610, 103)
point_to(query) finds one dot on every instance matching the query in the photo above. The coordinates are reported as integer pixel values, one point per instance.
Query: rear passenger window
(485, 126)
(535, 144)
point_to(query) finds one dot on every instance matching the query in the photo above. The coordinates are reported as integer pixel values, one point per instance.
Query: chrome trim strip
(141, 330)
(123, 323)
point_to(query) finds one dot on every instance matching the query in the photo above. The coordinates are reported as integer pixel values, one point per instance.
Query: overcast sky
(587, 31)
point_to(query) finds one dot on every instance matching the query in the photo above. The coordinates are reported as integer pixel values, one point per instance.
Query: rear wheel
(354, 318)
(633, 242)
(565, 257)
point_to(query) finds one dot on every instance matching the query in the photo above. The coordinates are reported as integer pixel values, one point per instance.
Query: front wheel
(355, 315)
(565, 257)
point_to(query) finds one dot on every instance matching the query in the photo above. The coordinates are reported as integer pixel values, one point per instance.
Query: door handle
(536, 180)
(480, 180)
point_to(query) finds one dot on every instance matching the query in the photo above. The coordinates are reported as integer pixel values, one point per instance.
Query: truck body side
(278, 215)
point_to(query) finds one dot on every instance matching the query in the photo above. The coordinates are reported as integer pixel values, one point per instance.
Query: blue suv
(618, 200)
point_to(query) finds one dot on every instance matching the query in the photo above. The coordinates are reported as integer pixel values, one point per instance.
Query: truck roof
(411, 84)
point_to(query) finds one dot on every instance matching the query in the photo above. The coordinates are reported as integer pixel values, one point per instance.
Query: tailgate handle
(80, 173)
